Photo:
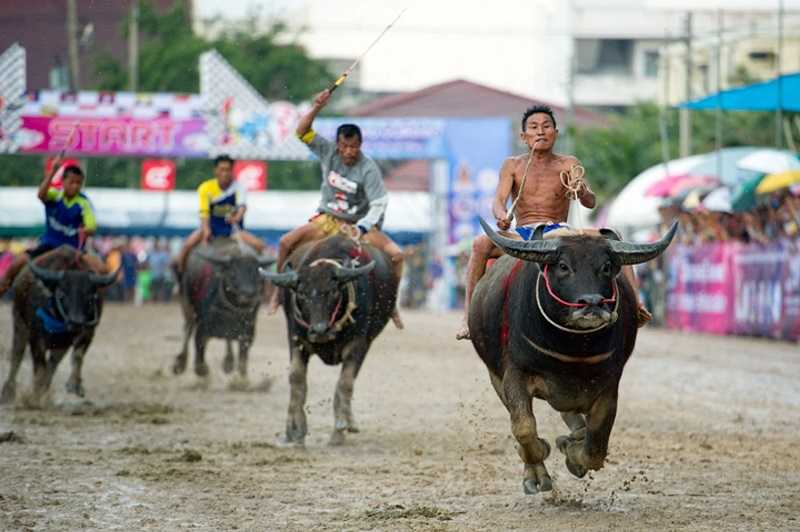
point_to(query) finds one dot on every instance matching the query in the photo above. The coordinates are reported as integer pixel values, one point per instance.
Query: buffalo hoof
(180, 365)
(8, 394)
(337, 438)
(353, 428)
(293, 441)
(75, 387)
(295, 434)
(562, 442)
(576, 469)
(201, 369)
(532, 487)
(227, 364)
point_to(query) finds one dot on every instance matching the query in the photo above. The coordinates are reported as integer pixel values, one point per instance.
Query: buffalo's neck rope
(593, 359)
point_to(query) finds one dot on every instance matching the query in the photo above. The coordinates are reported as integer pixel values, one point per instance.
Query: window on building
(604, 56)
(651, 60)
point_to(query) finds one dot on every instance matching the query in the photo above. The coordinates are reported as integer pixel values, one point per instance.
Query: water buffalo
(554, 319)
(338, 296)
(57, 306)
(221, 291)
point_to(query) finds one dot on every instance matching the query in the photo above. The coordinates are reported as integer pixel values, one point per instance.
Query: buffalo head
(577, 286)
(241, 282)
(319, 294)
(74, 293)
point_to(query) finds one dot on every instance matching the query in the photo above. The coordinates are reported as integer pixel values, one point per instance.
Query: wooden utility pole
(685, 121)
(72, 46)
(133, 47)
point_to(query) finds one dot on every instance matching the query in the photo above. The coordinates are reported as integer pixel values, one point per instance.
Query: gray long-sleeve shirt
(355, 193)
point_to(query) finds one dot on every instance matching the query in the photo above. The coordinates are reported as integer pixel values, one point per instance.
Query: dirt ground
(706, 438)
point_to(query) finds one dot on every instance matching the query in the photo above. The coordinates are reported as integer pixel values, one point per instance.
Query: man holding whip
(69, 219)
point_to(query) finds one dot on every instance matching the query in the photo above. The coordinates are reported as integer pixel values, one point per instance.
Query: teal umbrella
(743, 197)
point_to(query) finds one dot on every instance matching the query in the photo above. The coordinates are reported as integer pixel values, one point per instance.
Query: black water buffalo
(57, 306)
(555, 319)
(221, 291)
(337, 297)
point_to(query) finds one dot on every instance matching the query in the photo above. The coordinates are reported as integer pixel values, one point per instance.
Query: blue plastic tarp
(756, 97)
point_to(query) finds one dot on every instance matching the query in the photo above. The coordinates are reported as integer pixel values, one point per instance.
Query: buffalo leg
(244, 351)
(296, 428)
(343, 397)
(53, 360)
(532, 449)
(17, 352)
(40, 369)
(227, 362)
(75, 381)
(200, 343)
(590, 452)
(180, 361)
(577, 426)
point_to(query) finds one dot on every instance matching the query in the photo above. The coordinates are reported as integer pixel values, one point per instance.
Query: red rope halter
(606, 301)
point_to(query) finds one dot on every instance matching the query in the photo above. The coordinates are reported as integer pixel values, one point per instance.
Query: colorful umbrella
(769, 161)
(743, 197)
(672, 185)
(778, 181)
(718, 200)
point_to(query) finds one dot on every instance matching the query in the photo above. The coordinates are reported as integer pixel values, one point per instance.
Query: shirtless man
(544, 198)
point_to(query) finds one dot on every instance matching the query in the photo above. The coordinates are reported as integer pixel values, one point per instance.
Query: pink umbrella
(672, 185)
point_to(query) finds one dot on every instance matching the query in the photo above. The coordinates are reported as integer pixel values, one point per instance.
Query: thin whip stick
(349, 70)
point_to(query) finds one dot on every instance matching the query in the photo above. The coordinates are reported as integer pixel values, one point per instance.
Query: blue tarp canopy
(756, 97)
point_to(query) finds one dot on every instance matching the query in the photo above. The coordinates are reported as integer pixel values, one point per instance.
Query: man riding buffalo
(555, 320)
(222, 208)
(57, 306)
(537, 182)
(69, 219)
(220, 285)
(338, 296)
(352, 193)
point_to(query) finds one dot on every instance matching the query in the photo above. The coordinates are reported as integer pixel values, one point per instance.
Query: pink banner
(735, 288)
(120, 136)
(699, 291)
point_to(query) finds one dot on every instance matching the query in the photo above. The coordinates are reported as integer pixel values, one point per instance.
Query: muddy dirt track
(706, 438)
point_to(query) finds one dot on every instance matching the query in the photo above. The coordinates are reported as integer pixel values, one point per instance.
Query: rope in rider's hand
(573, 181)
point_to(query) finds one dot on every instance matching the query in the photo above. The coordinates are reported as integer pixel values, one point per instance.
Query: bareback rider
(537, 182)
(352, 194)
(69, 219)
(222, 208)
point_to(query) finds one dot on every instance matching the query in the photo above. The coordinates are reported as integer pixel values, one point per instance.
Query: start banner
(735, 288)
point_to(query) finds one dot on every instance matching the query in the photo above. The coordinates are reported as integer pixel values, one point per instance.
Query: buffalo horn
(44, 274)
(631, 253)
(542, 251)
(104, 280)
(348, 274)
(287, 279)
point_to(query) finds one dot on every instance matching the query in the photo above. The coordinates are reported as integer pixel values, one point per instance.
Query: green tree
(615, 154)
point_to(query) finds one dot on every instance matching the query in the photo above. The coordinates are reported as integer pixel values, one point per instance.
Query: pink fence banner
(735, 288)
(699, 291)
(767, 281)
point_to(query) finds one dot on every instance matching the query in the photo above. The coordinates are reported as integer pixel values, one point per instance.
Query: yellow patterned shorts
(328, 224)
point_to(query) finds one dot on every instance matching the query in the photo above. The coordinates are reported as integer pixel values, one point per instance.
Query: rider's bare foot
(398, 322)
(463, 332)
(643, 316)
(274, 305)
